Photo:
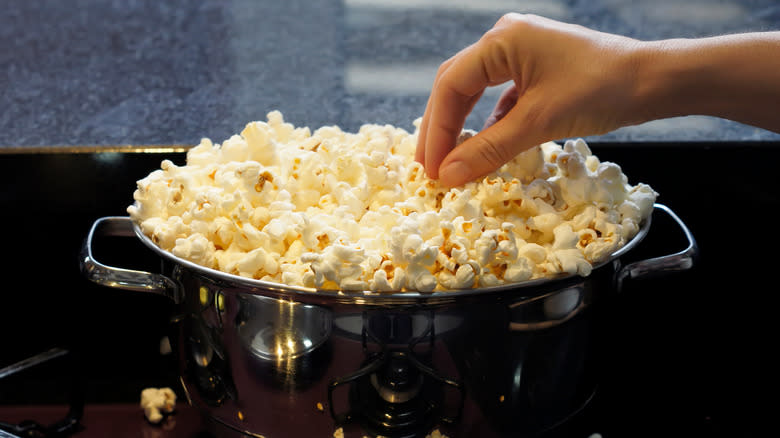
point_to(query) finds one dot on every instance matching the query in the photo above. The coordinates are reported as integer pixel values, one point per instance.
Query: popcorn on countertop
(354, 211)
(156, 402)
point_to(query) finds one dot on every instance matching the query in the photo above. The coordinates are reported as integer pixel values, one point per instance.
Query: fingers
(419, 153)
(450, 114)
(458, 86)
(423, 131)
(490, 149)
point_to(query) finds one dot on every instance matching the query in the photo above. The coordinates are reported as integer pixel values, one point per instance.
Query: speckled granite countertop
(117, 72)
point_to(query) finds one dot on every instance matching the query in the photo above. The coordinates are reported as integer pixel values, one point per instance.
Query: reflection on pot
(548, 310)
(287, 342)
(540, 358)
(207, 364)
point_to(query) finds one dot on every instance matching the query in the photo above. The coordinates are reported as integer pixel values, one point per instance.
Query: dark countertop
(117, 420)
(115, 72)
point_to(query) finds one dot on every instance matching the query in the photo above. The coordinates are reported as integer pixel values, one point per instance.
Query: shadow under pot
(286, 343)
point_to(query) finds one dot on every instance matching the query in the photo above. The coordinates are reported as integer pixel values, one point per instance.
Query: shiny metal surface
(262, 359)
(133, 280)
(32, 361)
(678, 261)
(276, 330)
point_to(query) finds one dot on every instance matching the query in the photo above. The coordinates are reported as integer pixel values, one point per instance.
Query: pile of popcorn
(353, 211)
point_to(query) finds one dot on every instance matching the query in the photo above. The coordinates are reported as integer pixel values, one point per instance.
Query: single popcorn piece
(333, 210)
(157, 402)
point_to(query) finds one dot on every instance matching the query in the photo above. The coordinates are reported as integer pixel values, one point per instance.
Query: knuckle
(509, 18)
(514, 19)
(444, 66)
(496, 34)
(497, 49)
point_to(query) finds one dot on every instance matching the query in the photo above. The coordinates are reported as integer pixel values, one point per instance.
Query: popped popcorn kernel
(157, 402)
(330, 209)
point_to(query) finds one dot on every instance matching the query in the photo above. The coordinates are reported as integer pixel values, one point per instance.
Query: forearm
(736, 77)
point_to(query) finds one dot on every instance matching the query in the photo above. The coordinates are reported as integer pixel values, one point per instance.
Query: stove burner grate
(395, 393)
(67, 426)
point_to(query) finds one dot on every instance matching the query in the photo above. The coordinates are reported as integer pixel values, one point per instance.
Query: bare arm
(735, 77)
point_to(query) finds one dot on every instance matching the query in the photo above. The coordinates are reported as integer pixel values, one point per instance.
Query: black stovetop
(693, 356)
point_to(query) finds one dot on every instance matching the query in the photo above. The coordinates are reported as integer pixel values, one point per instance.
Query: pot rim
(370, 296)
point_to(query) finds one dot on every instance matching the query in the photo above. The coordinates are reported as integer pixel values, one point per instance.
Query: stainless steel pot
(263, 359)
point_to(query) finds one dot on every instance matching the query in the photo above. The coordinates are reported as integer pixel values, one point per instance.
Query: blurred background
(108, 72)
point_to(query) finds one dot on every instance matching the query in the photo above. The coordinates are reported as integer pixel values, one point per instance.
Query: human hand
(567, 81)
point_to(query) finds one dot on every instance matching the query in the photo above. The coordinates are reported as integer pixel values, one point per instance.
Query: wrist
(668, 77)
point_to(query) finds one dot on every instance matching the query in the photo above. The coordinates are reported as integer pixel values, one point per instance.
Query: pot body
(263, 360)
(470, 367)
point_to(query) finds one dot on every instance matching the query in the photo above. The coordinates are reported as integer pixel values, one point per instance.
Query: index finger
(421, 140)
(456, 90)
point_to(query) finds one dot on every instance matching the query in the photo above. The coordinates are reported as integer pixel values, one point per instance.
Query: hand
(567, 81)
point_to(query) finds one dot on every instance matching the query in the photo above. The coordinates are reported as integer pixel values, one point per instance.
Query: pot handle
(679, 261)
(120, 278)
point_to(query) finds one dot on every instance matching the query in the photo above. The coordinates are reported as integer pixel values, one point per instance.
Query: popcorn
(196, 248)
(156, 402)
(436, 434)
(353, 211)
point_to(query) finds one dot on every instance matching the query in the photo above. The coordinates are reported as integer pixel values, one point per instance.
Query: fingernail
(454, 174)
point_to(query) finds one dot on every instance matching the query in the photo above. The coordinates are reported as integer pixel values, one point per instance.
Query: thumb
(488, 150)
